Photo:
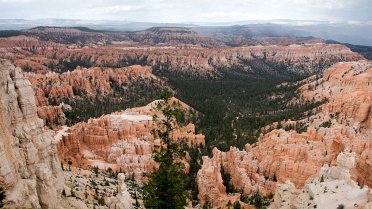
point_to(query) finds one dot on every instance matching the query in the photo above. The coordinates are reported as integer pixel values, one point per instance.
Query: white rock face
(30, 171)
(333, 187)
(123, 200)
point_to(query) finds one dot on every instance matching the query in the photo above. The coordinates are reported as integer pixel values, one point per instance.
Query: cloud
(15, 1)
(234, 15)
(323, 4)
(115, 9)
(190, 10)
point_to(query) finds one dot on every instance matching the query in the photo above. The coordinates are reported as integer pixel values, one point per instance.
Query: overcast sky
(189, 10)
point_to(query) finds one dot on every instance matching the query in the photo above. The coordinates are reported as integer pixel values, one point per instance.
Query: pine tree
(165, 188)
(136, 203)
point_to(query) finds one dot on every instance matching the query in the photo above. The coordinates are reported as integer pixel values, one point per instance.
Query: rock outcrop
(347, 87)
(210, 184)
(52, 115)
(121, 140)
(332, 188)
(85, 85)
(90, 82)
(123, 200)
(342, 123)
(30, 171)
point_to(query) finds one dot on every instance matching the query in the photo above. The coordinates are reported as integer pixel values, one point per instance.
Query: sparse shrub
(2, 197)
(237, 205)
(101, 201)
(274, 178)
(256, 200)
(326, 124)
(96, 170)
(340, 206)
(229, 204)
(69, 164)
(207, 205)
(73, 193)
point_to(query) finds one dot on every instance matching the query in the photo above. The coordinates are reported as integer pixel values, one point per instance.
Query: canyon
(43, 56)
(78, 110)
(280, 156)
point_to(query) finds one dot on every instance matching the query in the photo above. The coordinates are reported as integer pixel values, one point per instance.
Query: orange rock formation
(92, 83)
(43, 56)
(122, 140)
(281, 155)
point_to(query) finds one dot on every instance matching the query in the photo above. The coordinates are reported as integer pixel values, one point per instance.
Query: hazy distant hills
(112, 25)
(353, 33)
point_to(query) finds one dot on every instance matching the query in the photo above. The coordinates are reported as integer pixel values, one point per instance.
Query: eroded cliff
(30, 171)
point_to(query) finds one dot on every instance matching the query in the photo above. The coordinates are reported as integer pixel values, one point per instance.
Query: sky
(189, 11)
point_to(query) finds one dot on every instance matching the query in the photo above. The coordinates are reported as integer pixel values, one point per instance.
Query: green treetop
(166, 188)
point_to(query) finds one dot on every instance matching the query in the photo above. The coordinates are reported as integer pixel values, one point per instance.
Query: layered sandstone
(91, 82)
(281, 155)
(194, 60)
(199, 61)
(30, 170)
(121, 140)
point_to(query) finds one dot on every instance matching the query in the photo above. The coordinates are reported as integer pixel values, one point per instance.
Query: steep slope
(30, 171)
(343, 123)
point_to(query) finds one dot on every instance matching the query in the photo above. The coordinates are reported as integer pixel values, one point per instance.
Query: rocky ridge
(193, 60)
(165, 36)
